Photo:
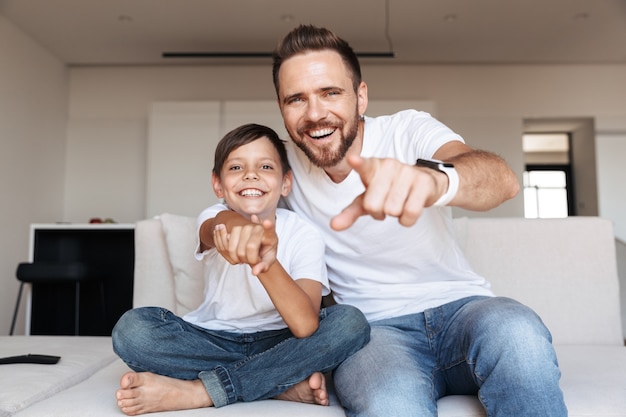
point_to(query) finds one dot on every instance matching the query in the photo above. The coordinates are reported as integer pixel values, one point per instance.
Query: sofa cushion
(181, 241)
(153, 283)
(592, 382)
(30, 383)
(593, 379)
(95, 397)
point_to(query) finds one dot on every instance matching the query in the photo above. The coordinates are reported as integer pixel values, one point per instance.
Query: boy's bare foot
(145, 392)
(311, 391)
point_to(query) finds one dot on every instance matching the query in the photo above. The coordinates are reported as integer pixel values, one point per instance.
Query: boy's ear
(217, 185)
(286, 186)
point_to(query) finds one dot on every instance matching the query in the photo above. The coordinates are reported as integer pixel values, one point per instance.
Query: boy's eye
(266, 166)
(234, 168)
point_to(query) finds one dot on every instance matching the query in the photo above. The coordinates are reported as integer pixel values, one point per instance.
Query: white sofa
(565, 269)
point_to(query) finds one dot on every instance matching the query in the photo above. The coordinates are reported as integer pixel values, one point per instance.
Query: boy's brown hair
(243, 135)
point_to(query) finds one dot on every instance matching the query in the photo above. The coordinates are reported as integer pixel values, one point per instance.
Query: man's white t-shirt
(234, 299)
(383, 268)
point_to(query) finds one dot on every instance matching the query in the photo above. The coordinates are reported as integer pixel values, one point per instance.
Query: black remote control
(30, 358)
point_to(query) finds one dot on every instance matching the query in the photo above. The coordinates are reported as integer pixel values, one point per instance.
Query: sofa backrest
(565, 269)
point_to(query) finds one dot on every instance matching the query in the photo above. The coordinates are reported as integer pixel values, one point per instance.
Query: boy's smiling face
(252, 180)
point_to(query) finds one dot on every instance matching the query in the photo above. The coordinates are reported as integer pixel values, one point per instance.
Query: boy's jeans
(236, 367)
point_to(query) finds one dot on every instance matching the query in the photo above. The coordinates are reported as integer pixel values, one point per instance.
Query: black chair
(58, 273)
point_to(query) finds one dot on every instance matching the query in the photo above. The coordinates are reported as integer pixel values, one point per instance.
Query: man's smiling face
(319, 105)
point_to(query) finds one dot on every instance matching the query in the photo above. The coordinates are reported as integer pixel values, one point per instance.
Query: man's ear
(286, 186)
(362, 99)
(217, 186)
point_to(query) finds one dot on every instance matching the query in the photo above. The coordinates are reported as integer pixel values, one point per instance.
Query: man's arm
(403, 191)
(486, 180)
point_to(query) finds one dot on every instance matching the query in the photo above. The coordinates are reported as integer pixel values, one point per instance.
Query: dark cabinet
(107, 247)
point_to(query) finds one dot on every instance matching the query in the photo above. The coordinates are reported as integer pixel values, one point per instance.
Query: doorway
(560, 169)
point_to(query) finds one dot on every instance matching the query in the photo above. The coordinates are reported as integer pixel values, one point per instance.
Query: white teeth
(322, 132)
(251, 193)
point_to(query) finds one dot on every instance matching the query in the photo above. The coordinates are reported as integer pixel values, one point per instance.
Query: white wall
(621, 268)
(485, 104)
(89, 159)
(33, 115)
(181, 142)
(611, 151)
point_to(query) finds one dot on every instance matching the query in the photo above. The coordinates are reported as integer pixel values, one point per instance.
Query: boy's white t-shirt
(383, 268)
(234, 299)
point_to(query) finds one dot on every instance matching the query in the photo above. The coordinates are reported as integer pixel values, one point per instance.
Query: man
(376, 190)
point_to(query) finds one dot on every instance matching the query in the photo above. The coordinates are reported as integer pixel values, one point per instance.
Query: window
(548, 191)
(545, 193)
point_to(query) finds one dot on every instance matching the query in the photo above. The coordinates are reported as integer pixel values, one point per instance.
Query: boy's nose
(251, 175)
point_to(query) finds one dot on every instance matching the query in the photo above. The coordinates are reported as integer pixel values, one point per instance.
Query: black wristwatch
(453, 178)
(434, 164)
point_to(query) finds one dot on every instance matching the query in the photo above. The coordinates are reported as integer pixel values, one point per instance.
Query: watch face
(436, 165)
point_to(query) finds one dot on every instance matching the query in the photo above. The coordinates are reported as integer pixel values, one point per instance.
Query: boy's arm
(297, 302)
(228, 218)
(242, 241)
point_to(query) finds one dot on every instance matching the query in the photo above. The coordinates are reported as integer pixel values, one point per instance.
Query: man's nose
(316, 110)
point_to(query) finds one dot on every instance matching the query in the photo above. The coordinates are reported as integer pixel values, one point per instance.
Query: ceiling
(138, 32)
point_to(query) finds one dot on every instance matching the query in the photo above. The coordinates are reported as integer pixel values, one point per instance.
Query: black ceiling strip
(256, 54)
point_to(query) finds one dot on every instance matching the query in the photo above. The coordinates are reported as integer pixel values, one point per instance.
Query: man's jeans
(236, 367)
(494, 347)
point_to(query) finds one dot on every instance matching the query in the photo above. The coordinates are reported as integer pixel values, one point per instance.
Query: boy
(259, 332)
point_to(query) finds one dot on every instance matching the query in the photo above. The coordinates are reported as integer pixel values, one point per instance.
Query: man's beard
(326, 156)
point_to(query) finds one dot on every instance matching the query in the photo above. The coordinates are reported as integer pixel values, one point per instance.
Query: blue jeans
(496, 348)
(232, 366)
